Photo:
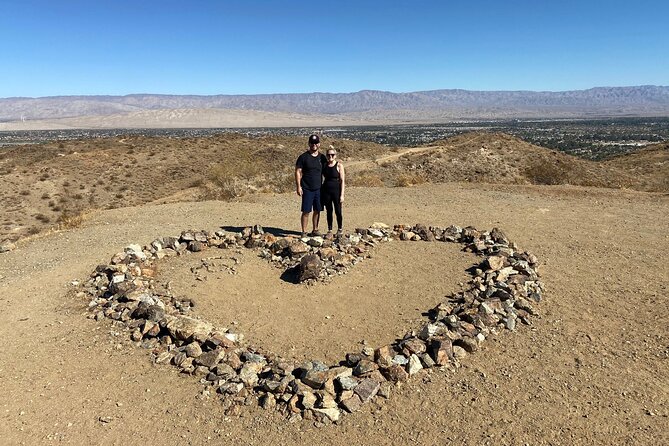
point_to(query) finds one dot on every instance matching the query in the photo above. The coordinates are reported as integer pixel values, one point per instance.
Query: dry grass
(365, 178)
(409, 179)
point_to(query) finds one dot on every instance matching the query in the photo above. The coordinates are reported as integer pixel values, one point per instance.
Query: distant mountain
(367, 104)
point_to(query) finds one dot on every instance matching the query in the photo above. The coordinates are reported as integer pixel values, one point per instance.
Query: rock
(384, 355)
(414, 365)
(347, 382)
(333, 413)
(309, 268)
(379, 225)
(193, 350)
(326, 400)
(495, 263)
(395, 373)
(413, 345)
(136, 251)
(298, 248)
(308, 400)
(352, 404)
(210, 359)
(459, 352)
(184, 328)
(196, 246)
(7, 246)
(224, 371)
(427, 360)
(423, 232)
(230, 388)
(469, 344)
(365, 366)
(268, 401)
(441, 351)
(315, 378)
(366, 389)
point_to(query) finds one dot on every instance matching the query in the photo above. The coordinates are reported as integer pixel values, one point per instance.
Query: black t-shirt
(312, 168)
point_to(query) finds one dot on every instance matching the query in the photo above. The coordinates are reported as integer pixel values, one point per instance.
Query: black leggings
(331, 200)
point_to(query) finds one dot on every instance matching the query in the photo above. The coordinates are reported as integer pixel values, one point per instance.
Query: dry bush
(70, 219)
(365, 178)
(409, 179)
(545, 172)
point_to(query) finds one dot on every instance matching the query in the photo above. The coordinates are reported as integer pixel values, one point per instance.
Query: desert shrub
(46, 196)
(66, 184)
(409, 179)
(365, 178)
(70, 219)
(78, 196)
(33, 230)
(25, 192)
(43, 218)
(545, 172)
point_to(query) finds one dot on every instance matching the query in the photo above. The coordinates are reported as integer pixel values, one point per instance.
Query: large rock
(184, 328)
(7, 246)
(310, 267)
(366, 389)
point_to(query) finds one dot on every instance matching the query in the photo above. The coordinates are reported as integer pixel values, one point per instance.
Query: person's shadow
(277, 232)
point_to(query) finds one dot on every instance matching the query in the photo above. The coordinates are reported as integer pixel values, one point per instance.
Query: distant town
(595, 139)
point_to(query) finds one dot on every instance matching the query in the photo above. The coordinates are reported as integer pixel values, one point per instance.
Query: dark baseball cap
(314, 139)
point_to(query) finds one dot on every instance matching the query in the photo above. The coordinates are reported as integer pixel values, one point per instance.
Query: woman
(332, 191)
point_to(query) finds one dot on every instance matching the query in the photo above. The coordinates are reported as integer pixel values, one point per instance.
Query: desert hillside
(51, 185)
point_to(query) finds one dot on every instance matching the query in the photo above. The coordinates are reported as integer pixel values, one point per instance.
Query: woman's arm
(342, 179)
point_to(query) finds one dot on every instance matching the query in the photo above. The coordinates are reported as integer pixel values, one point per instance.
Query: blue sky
(117, 47)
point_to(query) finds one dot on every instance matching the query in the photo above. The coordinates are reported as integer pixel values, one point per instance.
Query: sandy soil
(593, 369)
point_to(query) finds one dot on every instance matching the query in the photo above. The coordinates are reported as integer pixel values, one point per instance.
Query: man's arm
(298, 180)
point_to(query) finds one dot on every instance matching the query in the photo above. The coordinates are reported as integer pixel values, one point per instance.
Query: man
(308, 179)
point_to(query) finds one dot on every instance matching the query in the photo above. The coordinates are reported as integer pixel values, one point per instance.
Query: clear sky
(116, 47)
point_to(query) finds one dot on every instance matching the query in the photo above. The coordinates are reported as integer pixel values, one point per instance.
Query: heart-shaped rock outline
(499, 293)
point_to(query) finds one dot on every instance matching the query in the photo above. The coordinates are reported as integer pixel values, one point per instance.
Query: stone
(315, 378)
(469, 344)
(268, 401)
(196, 246)
(224, 371)
(384, 355)
(309, 268)
(230, 388)
(7, 246)
(136, 251)
(184, 328)
(298, 248)
(347, 382)
(395, 373)
(366, 389)
(309, 400)
(333, 413)
(427, 360)
(414, 365)
(423, 232)
(211, 358)
(193, 350)
(351, 404)
(326, 400)
(249, 373)
(459, 352)
(413, 345)
(365, 366)
(495, 263)
(441, 351)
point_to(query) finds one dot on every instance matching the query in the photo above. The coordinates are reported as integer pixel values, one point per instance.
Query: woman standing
(332, 191)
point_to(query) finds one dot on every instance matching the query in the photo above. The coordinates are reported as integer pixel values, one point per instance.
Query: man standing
(308, 179)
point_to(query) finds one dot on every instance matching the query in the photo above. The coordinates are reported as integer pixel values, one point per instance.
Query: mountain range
(363, 106)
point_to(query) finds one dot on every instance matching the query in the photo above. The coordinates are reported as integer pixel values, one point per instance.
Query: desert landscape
(590, 368)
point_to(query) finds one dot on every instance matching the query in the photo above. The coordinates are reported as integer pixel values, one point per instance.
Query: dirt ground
(592, 369)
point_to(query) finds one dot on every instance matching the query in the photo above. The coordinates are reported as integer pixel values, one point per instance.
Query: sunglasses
(332, 154)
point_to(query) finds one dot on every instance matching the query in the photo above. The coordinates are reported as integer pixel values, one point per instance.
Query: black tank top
(332, 178)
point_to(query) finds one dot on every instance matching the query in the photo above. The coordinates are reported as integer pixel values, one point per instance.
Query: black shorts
(311, 200)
